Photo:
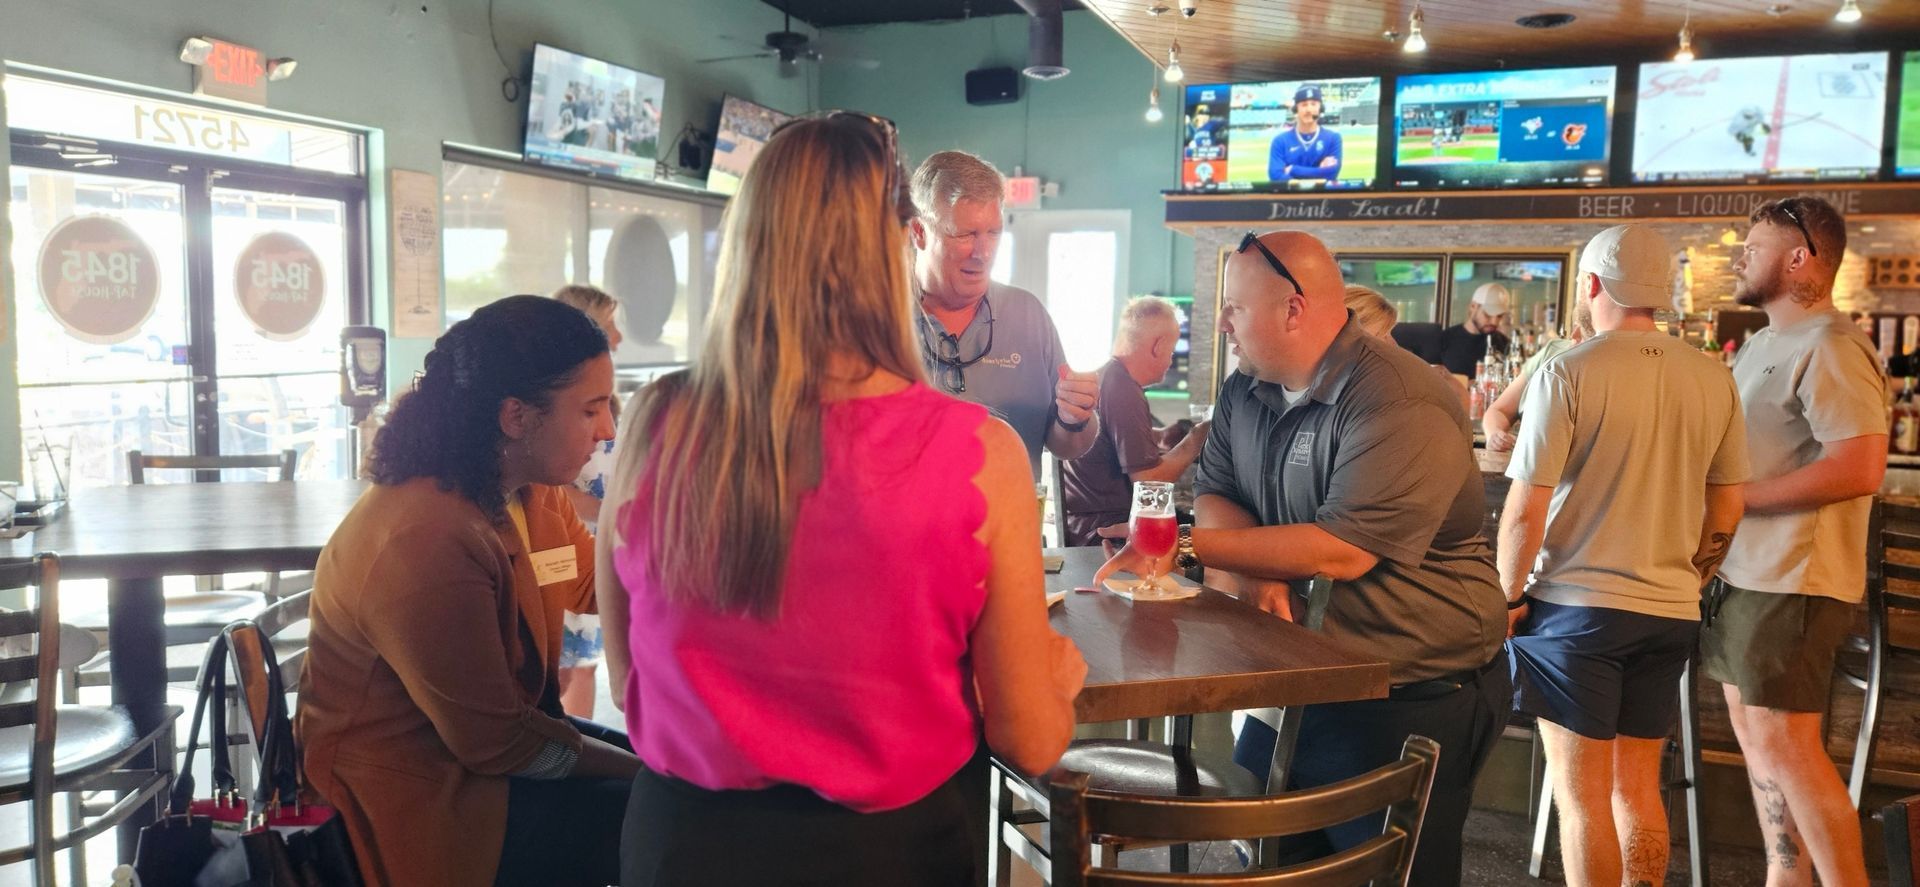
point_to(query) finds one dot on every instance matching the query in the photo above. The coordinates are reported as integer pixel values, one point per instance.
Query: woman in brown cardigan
(429, 711)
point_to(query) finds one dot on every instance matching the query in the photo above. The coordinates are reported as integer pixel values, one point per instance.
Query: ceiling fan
(791, 48)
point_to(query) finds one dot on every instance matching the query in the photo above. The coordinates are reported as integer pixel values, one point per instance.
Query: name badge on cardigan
(555, 565)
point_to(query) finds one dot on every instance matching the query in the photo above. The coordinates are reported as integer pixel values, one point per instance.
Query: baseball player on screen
(1308, 150)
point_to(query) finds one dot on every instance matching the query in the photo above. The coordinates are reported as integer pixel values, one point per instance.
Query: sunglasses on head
(889, 136)
(1801, 225)
(1253, 240)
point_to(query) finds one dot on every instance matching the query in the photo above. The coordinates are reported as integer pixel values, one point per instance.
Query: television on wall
(744, 128)
(1541, 128)
(1283, 135)
(1770, 118)
(592, 116)
(1906, 152)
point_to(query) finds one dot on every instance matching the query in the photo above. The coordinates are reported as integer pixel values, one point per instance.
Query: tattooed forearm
(1646, 860)
(1713, 550)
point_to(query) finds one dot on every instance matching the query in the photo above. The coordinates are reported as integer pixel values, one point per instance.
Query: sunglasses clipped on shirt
(1253, 240)
(889, 135)
(953, 368)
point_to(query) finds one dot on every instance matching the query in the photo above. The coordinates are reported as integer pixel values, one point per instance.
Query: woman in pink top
(819, 577)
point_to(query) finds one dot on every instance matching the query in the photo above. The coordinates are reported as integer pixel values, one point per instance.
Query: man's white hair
(1142, 318)
(948, 177)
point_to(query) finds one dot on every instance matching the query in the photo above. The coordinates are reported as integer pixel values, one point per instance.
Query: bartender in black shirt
(1466, 342)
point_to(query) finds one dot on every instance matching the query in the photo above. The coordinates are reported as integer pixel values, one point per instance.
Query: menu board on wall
(415, 199)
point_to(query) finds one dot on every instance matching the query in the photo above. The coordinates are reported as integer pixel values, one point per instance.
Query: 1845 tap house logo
(98, 278)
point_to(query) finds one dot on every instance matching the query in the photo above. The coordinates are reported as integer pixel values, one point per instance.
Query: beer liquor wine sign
(279, 285)
(98, 279)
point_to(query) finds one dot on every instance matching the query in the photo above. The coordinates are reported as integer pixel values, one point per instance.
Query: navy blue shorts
(1601, 672)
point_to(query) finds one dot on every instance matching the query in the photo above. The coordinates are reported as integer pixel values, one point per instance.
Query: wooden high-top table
(1207, 653)
(133, 536)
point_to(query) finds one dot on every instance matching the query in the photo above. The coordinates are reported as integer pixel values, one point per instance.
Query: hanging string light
(1154, 115)
(1849, 12)
(1416, 41)
(1686, 38)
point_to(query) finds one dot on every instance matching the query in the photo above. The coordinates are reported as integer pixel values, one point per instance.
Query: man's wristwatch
(1183, 554)
(1515, 605)
(1076, 427)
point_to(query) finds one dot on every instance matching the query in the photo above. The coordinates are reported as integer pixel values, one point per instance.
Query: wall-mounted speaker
(993, 86)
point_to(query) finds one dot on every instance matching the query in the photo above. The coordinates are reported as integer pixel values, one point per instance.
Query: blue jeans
(1346, 739)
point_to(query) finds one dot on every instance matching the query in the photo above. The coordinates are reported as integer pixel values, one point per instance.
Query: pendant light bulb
(1849, 12)
(1686, 44)
(1154, 114)
(1416, 41)
(1174, 73)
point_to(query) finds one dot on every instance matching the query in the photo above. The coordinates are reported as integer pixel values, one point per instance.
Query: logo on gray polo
(1010, 361)
(1301, 453)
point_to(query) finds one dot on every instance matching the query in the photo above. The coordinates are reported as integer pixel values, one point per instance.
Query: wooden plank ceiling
(1241, 40)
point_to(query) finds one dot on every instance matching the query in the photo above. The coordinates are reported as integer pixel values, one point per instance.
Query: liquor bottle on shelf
(1709, 344)
(1477, 399)
(1905, 437)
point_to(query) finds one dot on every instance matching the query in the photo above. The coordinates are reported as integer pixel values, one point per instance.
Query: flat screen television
(1772, 118)
(1542, 128)
(1906, 153)
(592, 116)
(744, 128)
(1286, 135)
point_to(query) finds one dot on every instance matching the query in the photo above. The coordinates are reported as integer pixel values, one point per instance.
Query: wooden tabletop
(1203, 654)
(150, 530)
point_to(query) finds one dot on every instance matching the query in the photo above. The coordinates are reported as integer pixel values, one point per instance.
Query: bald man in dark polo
(1334, 452)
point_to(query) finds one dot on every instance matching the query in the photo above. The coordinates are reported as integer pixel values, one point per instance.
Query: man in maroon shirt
(1098, 487)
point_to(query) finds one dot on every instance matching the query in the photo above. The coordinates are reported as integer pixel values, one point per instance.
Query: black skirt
(680, 835)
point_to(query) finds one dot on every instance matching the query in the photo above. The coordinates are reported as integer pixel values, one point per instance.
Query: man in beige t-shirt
(1815, 401)
(1626, 483)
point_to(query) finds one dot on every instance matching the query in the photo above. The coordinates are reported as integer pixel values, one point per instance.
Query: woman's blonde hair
(812, 265)
(593, 301)
(1375, 315)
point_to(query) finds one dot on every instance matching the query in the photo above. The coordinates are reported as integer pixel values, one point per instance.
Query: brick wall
(1708, 242)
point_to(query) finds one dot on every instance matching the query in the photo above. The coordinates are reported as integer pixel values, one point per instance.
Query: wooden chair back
(29, 667)
(139, 463)
(1400, 788)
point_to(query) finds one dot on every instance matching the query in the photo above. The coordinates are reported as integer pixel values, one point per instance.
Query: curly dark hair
(448, 428)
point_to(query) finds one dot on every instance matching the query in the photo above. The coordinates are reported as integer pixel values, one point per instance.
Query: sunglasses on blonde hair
(889, 135)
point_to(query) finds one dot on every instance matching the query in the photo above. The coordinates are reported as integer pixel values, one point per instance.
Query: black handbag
(273, 840)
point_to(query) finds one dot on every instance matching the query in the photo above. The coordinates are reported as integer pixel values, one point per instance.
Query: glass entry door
(172, 304)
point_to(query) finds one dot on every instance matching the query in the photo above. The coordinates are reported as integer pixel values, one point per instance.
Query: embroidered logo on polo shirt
(1652, 351)
(1301, 453)
(1010, 361)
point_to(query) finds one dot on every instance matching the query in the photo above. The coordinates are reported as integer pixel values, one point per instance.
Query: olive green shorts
(1777, 648)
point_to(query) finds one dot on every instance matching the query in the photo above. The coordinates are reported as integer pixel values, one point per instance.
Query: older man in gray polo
(982, 341)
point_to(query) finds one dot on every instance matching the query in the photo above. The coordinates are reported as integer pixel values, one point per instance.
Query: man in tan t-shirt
(1626, 483)
(1815, 401)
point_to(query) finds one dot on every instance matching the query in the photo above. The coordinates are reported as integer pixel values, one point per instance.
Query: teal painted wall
(419, 72)
(1084, 131)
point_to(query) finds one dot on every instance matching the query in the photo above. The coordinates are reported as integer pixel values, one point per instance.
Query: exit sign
(232, 71)
(1023, 192)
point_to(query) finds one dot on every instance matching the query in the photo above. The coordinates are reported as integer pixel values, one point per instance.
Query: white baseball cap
(1493, 299)
(1634, 264)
